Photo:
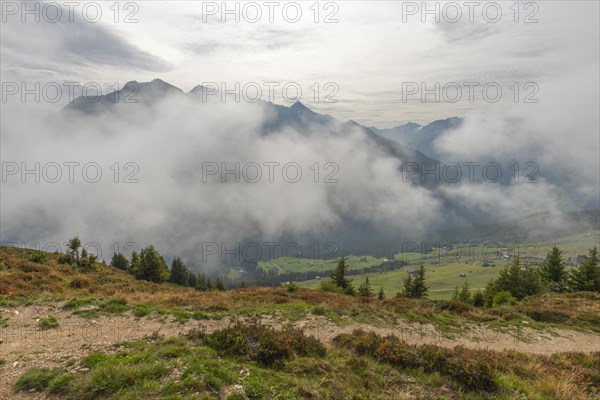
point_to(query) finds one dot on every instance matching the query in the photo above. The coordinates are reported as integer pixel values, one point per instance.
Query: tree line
(268, 278)
(513, 282)
(146, 265)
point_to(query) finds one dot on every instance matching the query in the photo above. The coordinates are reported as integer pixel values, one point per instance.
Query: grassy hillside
(534, 228)
(444, 265)
(441, 279)
(298, 264)
(26, 282)
(282, 343)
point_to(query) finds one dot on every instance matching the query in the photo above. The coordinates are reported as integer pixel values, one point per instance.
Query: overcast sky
(551, 66)
(369, 53)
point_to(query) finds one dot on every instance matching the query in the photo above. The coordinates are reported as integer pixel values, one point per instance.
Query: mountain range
(421, 137)
(408, 143)
(297, 117)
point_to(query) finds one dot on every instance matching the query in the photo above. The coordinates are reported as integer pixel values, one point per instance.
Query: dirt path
(23, 346)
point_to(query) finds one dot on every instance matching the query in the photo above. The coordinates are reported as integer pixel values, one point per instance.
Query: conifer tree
(364, 290)
(587, 276)
(553, 272)
(415, 288)
(119, 261)
(179, 272)
(192, 280)
(152, 266)
(419, 288)
(338, 276)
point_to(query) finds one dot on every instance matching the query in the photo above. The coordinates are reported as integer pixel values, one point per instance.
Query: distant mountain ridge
(421, 137)
(297, 116)
(133, 92)
(410, 142)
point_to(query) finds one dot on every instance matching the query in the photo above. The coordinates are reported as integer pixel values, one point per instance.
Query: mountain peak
(198, 89)
(160, 84)
(297, 106)
(352, 122)
(156, 85)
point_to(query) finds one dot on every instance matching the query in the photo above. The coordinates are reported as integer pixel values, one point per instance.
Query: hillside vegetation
(255, 343)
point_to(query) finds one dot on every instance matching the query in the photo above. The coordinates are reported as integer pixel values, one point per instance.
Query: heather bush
(261, 343)
(472, 369)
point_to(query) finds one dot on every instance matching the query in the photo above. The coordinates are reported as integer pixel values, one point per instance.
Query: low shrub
(115, 306)
(472, 369)
(455, 306)
(48, 322)
(39, 258)
(328, 286)
(141, 310)
(107, 378)
(547, 315)
(478, 299)
(503, 298)
(41, 379)
(63, 258)
(263, 344)
(28, 266)
(318, 310)
(78, 302)
(80, 282)
(302, 344)
(199, 315)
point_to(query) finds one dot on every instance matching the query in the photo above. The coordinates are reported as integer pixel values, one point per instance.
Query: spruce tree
(202, 282)
(520, 280)
(192, 280)
(456, 294)
(419, 289)
(553, 272)
(381, 294)
(415, 288)
(119, 261)
(152, 266)
(338, 276)
(587, 276)
(179, 272)
(134, 266)
(407, 290)
(465, 294)
(364, 290)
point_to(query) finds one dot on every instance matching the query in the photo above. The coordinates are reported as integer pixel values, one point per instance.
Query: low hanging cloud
(207, 172)
(345, 179)
(559, 135)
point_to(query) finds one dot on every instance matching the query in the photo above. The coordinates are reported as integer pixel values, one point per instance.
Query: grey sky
(368, 53)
